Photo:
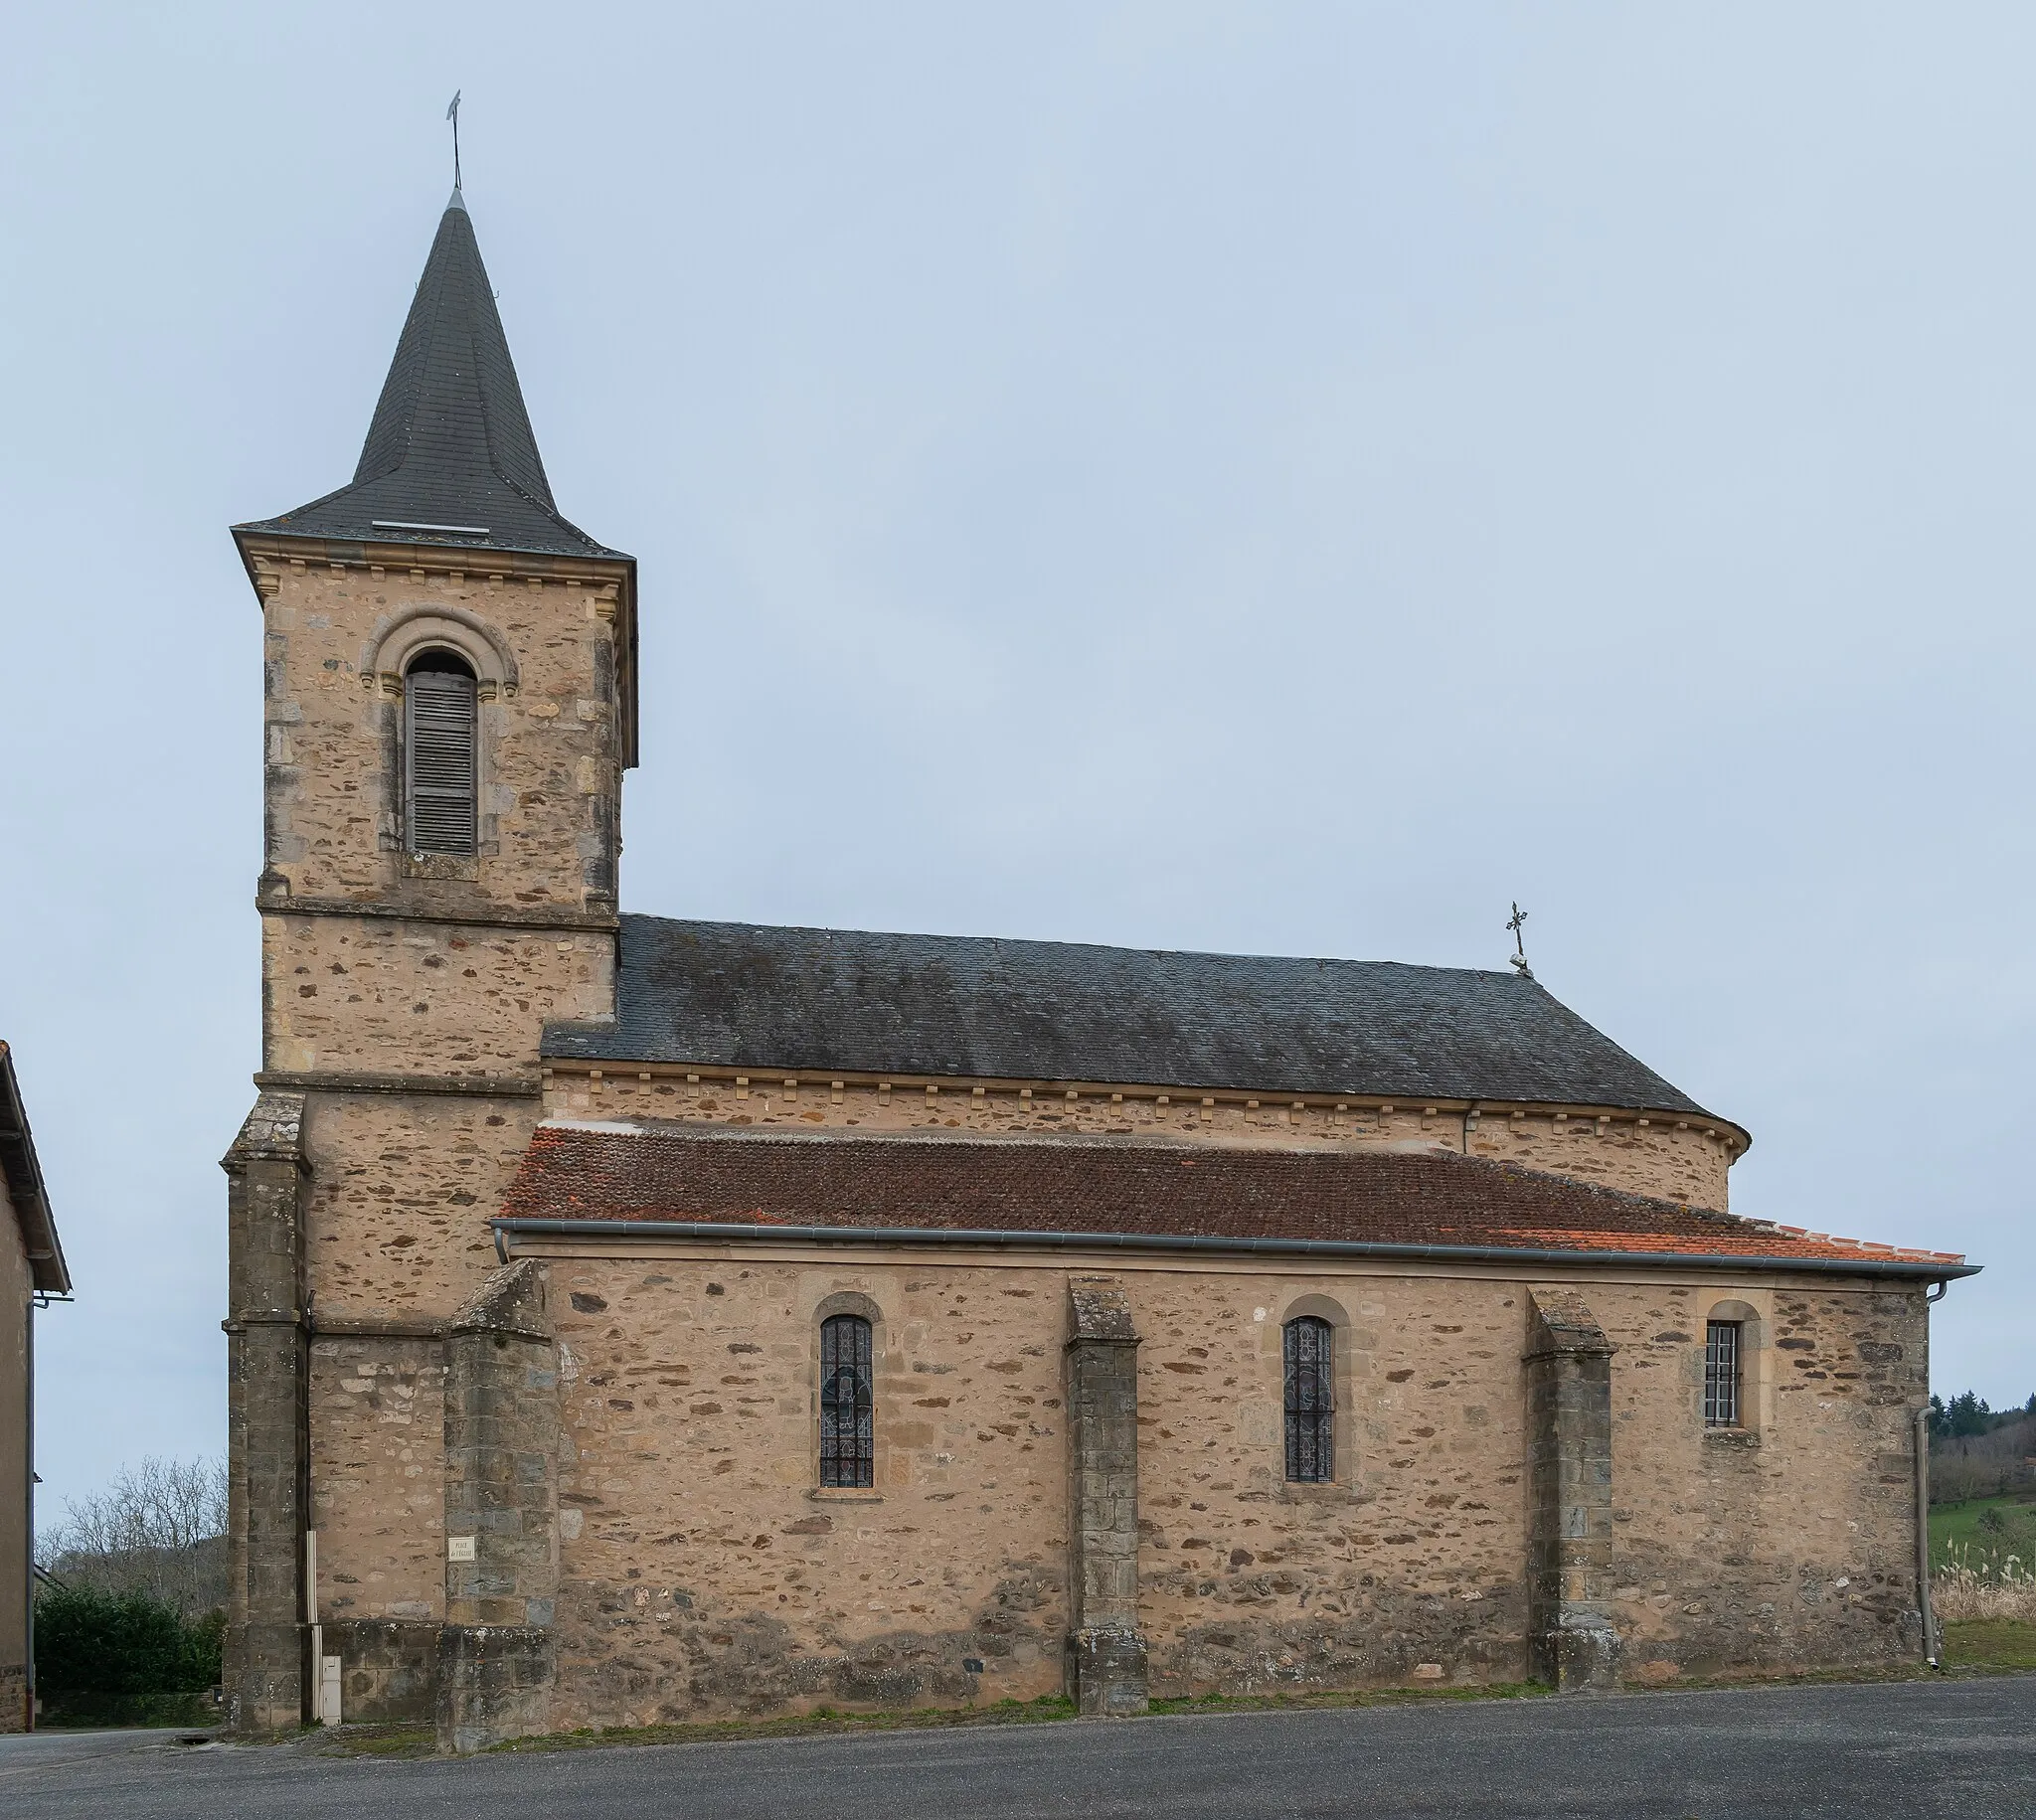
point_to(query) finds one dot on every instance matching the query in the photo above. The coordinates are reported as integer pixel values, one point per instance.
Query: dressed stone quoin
(637, 1319)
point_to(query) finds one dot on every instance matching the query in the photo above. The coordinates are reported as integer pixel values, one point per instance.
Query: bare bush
(1990, 1465)
(159, 1529)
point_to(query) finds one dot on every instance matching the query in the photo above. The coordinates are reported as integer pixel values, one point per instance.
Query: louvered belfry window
(848, 1454)
(442, 758)
(1310, 1402)
(1721, 1375)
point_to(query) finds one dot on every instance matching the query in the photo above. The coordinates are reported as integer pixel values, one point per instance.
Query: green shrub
(122, 1644)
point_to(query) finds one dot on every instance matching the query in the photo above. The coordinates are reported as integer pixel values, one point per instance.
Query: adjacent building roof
(450, 457)
(578, 1175)
(22, 1173)
(723, 994)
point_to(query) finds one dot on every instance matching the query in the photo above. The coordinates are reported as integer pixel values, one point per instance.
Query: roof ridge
(1506, 974)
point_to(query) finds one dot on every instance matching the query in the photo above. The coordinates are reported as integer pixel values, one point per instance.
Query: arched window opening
(847, 1444)
(1311, 1401)
(441, 754)
(1722, 1375)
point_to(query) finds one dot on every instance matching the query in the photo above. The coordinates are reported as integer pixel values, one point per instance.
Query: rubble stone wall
(402, 1189)
(551, 774)
(1791, 1540)
(378, 1478)
(703, 1568)
(702, 1571)
(379, 995)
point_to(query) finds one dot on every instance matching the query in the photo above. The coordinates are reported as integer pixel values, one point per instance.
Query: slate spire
(451, 456)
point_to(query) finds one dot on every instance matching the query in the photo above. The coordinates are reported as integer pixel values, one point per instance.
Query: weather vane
(1516, 922)
(452, 115)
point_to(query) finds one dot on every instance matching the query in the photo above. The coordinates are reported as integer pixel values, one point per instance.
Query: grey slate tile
(725, 994)
(451, 443)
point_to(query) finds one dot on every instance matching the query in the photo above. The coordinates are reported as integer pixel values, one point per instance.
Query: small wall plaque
(458, 1548)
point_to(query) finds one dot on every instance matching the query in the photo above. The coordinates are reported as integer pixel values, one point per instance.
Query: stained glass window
(1311, 1401)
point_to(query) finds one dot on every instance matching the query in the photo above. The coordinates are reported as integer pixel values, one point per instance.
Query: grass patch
(369, 1741)
(1990, 1643)
(1960, 1523)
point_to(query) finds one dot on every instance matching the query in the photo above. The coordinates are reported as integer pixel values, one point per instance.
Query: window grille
(441, 756)
(847, 1449)
(1721, 1375)
(1310, 1402)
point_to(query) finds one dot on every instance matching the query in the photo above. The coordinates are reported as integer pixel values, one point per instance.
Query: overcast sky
(1269, 477)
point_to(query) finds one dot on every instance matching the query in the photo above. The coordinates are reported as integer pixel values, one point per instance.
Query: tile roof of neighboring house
(577, 1172)
(22, 1175)
(450, 457)
(729, 993)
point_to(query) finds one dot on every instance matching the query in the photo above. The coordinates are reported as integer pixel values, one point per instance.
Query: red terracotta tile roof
(587, 1171)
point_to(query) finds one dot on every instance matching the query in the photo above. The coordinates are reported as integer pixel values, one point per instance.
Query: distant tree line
(1966, 1414)
(1980, 1452)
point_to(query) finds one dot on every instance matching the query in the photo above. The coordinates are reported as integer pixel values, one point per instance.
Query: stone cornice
(474, 1086)
(342, 1326)
(485, 916)
(946, 1089)
(259, 547)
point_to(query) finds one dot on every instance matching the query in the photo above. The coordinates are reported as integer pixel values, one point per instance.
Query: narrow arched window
(440, 756)
(847, 1443)
(1722, 1371)
(1311, 1401)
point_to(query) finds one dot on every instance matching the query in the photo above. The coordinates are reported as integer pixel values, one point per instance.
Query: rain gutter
(513, 1226)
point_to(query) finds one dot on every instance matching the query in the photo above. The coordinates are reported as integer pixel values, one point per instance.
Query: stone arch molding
(408, 634)
(1323, 1308)
(848, 1301)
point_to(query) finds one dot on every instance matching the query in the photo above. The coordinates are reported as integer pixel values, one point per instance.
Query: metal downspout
(1933, 1644)
(1932, 1639)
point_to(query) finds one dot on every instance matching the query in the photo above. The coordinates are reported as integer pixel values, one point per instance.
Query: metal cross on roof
(1516, 922)
(452, 115)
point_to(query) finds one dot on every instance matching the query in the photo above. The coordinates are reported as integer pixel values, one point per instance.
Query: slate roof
(723, 994)
(650, 1171)
(450, 457)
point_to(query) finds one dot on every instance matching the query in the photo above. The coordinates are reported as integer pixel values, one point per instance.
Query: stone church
(636, 1319)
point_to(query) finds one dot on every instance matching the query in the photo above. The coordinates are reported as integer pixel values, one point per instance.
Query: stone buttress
(1570, 1640)
(1106, 1650)
(495, 1654)
(269, 1487)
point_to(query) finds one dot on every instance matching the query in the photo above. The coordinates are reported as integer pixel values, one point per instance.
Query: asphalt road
(1915, 1749)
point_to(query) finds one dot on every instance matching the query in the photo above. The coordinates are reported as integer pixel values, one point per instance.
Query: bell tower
(445, 556)
(450, 682)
